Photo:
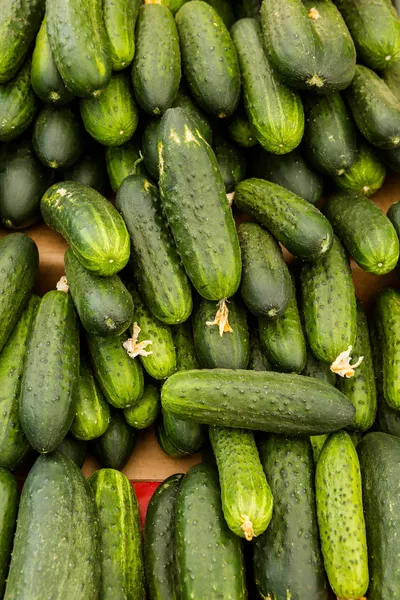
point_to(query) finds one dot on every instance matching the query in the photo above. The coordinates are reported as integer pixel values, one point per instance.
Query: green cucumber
(122, 572)
(318, 369)
(246, 496)
(146, 411)
(306, 406)
(394, 216)
(274, 110)
(123, 161)
(365, 176)
(231, 162)
(119, 21)
(387, 319)
(294, 222)
(247, 8)
(191, 202)
(209, 60)
(156, 70)
(225, 11)
(370, 238)
(104, 305)
(266, 287)
(168, 295)
(185, 101)
(149, 147)
(329, 304)
(165, 443)
(84, 62)
(258, 360)
(159, 541)
(240, 130)
(317, 443)
(90, 169)
(340, 517)
(391, 76)
(391, 158)
(186, 436)
(199, 517)
(74, 449)
(186, 357)
(90, 224)
(287, 558)
(18, 104)
(57, 517)
(9, 500)
(115, 446)
(58, 137)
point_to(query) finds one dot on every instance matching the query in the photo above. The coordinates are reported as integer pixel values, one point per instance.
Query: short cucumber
(186, 357)
(258, 359)
(73, 448)
(231, 162)
(18, 104)
(365, 176)
(146, 411)
(149, 147)
(186, 436)
(119, 21)
(123, 161)
(185, 101)
(387, 319)
(90, 169)
(115, 446)
(240, 130)
(9, 500)
(58, 137)
(165, 443)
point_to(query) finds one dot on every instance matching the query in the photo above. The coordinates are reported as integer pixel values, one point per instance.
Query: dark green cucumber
(231, 162)
(394, 215)
(265, 401)
(58, 137)
(209, 61)
(159, 541)
(46, 81)
(391, 76)
(104, 305)
(90, 224)
(387, 319)
(112, 118)
(165, 443)
(18, 104)
(391, 158)
(192, 202)
(186, 357)
(240, 130)
(319, 370)
(375, 109)
(9, 500)
(13, 444)
(274, 110)
(122, 572)
(84, 62)
(19, 261)
(369, 236)
(266, 287)
(199, 517)
(287, 558)
(115, 446)
(119, 376)
(146, 411)
(57, 517)
(225, 11)
(330, 140)
(185, 101)
(119, 21)
(329, 304)
(149, 147)
(90, 169)
(46, 410)
(168, 295)
(258, 359)
(365, 176)
(294, 222)
(156, 70)
(340, 517)
(123, 161)
(186, 436)
(74, 449)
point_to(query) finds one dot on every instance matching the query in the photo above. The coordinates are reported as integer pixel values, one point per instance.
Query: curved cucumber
(58, 137)
(231, 162)
(115, 446)
(119, 21)
(146, 411)
(123, 161)
(258, 359)
(365, 176)
(74, 449)
(9, 500)
(387, 319)
(18, 104)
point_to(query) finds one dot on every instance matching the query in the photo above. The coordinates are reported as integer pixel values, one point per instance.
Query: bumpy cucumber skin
(185, 101)
(287, 558)
(329, 304)
(112, 118)
(193, 196)
(168, 295)
(365, 176)
(241, 131)
(90, 224)
(209, 61)
(290, 404)
(199, 517)
(340, 517)
(123, 161)
(231, 162)
(258, 359)
(119, 21)
(122, 572)
(294, 222)
(74, 449)
(387, 319)
(58, 137)
(275, 111)
(186, 357)
(159, 541)
(18, 104)
(156, 71)
(9, 500)
(146, 410)
(115, 446)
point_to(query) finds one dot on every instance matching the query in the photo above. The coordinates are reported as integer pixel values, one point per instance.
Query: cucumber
(84, 62)
(294, 222)
(391, 76)
(379, 455)
(317, 443)
(258, 360)
(46, 411)
(309, 44)
(46, 81)
(9, 500)
(165, 443)
(365, 176)
(240, 130)
(224, 10)
(18, 104)
(209, 61)
(186, 357)
(90, 169)
(115, 446)
(318, 369)
(120, 377)
(370, 238)
(247, 8)
(74, 449)
(394, 216)
(104, 305)
(156, 70)
(57, 517)
(329, 304)
(229, 351)
(387, 319)
(212, 262)
(119, 21)
(246, 496)
(111, 119)
(122, 572)
(274, 110)
(19, 261)
(199, 517)
(149, 147)
(340, 517)
(231, 162)
(306, 406)
(159, 541)
(266, 287)
(287, 558)
(375, 109)
(13, 444)
(123, 161)
(90, 224)
(185, 101)
(186, 437)
(144, 413)
(391, 158)
(58, 137)
(92, 412)
(168, 295)
(330, 140)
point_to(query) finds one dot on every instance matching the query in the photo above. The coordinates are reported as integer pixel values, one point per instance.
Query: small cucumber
(119, 21)
(258, 359)
(185, 101)
(231, 162)
(58, 137)
(90, 169)
(165, 443)
(365, 176)
(115, 446)
(186, 357)
(387, 319)
(18, 104)
(146, 411)
(149, 147)
(123, 161)
(240, 130)
(74, 449)
(9, 500)
(186, 436)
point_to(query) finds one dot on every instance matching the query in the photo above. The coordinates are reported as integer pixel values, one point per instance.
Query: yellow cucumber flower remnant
(135, 348)
(221, 318)
(341, 366)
